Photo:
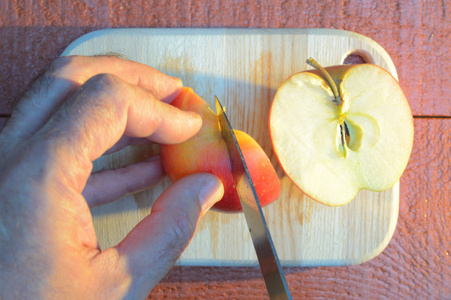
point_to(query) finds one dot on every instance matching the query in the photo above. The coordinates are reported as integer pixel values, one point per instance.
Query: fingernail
(178, 82)
(211, 192)
(195, 116)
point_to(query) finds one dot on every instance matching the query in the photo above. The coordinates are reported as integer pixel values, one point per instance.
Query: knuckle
(73, 67)
(103, 80)
(107, 92)
(108, 85)
(65, 65)
(64, 61)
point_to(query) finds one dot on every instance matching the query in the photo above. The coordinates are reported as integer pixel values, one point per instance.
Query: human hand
(69, 117)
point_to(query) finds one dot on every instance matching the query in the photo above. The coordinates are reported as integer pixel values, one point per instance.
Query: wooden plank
(414, 33)
(26, 53)
(415, 265)
(3, 121)
(238, 66)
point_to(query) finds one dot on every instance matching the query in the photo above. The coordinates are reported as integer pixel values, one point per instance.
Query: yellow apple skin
(207, 152)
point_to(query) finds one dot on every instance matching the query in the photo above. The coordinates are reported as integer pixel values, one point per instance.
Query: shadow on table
(206, 274)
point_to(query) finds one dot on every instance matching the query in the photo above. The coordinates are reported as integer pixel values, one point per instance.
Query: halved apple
(341, 129)
(207, 152)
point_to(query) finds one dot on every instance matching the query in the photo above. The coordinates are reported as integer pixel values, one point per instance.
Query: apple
(338, 130)
(207, 152)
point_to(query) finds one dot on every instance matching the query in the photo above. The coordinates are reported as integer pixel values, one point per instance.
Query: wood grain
(416, 34)
(415, 265)
(237, 65)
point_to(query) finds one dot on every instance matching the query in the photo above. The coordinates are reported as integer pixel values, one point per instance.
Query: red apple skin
(207, 152)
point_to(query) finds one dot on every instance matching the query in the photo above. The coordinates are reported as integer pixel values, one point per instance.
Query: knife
(272, 272)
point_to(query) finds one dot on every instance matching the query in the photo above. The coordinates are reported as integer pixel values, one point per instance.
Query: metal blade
(266, 253)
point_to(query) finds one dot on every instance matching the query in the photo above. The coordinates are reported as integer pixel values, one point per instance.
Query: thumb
(155, 244)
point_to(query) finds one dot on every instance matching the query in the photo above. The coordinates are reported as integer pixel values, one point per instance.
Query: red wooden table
(416, 34)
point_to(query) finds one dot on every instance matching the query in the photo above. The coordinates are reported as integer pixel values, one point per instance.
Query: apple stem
(330, 81)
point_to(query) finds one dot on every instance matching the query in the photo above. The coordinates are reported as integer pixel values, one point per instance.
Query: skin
(71, 115)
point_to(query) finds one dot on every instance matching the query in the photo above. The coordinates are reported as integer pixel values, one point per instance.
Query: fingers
(109, 185)
(127, 141)
(102, 111)
(154, 245)
(67, 74)
(106, 108)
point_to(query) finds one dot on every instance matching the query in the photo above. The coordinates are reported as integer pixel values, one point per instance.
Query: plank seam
(432, 117)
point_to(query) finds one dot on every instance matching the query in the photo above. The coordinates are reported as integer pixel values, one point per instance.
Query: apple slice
(341, 129)
(207, 152)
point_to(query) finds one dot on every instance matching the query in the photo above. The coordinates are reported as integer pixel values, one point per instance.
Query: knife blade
(272, 272)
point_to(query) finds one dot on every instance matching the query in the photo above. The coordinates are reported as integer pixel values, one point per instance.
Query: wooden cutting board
(244, 67)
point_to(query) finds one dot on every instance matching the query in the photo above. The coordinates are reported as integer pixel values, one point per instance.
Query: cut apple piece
(207, 152)
(334, 141)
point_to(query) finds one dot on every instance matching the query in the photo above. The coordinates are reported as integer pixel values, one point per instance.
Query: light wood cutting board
(244, 67)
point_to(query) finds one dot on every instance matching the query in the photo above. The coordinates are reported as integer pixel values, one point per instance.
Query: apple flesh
(332, 146)
(207, 152)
